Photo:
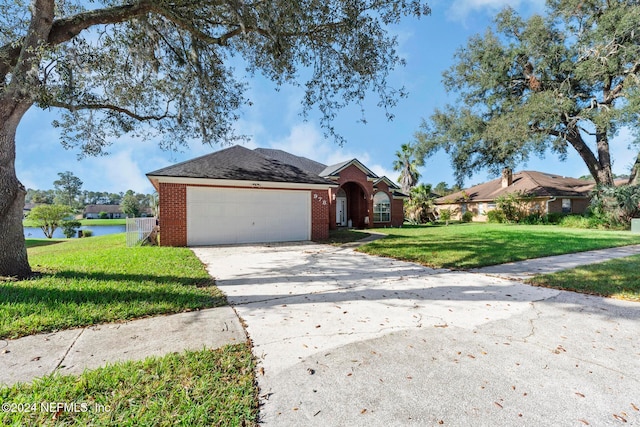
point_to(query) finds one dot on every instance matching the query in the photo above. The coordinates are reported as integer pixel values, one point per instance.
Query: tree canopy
(49, 217)
(570, 79)
(68, 189)
(111, 65)
(173, 64)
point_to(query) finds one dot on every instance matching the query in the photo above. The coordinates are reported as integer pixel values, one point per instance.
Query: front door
(341, 211)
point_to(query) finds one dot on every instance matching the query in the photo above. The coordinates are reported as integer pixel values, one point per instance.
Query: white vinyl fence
(138, 230)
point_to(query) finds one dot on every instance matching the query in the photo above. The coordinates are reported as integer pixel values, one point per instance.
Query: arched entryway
(352, 206)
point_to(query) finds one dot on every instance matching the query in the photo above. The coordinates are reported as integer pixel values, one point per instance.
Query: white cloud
(117, 172)
(306, 140)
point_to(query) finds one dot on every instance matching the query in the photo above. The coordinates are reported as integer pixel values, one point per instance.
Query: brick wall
(320, 203)
(173, 214)
(357, 208)
(397, 212)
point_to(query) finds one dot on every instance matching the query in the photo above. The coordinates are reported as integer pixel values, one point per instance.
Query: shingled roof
(240, 163)
(531, 183)
(334, 170)
(291, 159)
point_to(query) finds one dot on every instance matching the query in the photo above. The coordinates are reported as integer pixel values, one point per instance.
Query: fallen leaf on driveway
(585, 422)
(261, 371)
(498, 405)
(635, 407)
(441, 326)
(35, 359)
(363, 411)
(579, 394)
(619, 418)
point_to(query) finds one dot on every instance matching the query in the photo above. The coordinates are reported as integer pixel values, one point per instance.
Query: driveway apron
(344, 338)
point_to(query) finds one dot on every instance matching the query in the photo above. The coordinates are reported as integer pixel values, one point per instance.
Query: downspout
(553, 199)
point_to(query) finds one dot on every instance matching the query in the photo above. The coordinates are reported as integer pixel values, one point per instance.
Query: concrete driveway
(344, 338)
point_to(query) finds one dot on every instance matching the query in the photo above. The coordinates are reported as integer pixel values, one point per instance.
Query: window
(566, 205)
(381, 208)
(480, 208)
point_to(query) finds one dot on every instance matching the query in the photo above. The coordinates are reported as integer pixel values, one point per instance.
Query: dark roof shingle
(240, 163)
(291, 159)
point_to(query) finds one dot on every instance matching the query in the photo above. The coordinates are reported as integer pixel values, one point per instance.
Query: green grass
(90, 281)
(208, 387)
(616, 279)
(32, 243)
(464, 246)
(118, 221)
(343, 235)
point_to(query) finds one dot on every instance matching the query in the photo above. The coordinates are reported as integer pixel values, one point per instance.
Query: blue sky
(273, 121)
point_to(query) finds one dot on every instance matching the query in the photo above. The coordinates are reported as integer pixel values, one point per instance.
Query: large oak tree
(167, 64)
(566, 80)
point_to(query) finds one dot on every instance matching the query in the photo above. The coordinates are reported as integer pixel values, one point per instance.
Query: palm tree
(419, 208)
(407, 166)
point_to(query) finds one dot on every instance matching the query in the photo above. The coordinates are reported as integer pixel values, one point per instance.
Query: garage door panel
(223, 215)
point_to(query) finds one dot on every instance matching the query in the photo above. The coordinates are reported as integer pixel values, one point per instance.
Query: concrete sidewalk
(72, 351)
(523, 270)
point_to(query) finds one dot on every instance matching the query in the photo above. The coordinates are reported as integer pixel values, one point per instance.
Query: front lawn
(87, 222)
(90, 281)
(617, 278)
(463, 246)
(341, 236)
(207, 387)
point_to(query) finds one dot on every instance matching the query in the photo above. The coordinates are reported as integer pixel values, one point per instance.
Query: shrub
(495, 216)
(575, 221)
(616, 206)
(87, 233)
(555, 217)
(535, 218)
(70, 228)
(467, 216)
(513, 206)
(445, 215)
(103, 215)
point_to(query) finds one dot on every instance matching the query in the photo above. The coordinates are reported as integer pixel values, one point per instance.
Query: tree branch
(65, 29)
(115, 108)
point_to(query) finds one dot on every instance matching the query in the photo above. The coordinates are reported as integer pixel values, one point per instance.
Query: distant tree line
(68, 192)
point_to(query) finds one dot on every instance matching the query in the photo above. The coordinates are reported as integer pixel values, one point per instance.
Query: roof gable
(239, 163)
(334, 170)
(531, 183)
(390, 184)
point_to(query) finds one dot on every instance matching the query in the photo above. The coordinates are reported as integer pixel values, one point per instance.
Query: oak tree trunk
(13, 252)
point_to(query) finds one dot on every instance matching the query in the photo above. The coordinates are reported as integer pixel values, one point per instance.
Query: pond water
(98, 230)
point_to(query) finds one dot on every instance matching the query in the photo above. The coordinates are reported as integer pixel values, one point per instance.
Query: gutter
(553, 199)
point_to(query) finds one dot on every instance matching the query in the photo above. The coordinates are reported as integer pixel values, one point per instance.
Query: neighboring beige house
(549, 193)
(111, 211)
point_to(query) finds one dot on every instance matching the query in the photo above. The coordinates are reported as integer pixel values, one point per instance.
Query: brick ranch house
(238, 195)
(549, 193)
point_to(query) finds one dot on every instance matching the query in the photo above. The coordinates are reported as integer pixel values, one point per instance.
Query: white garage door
(227, 215)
